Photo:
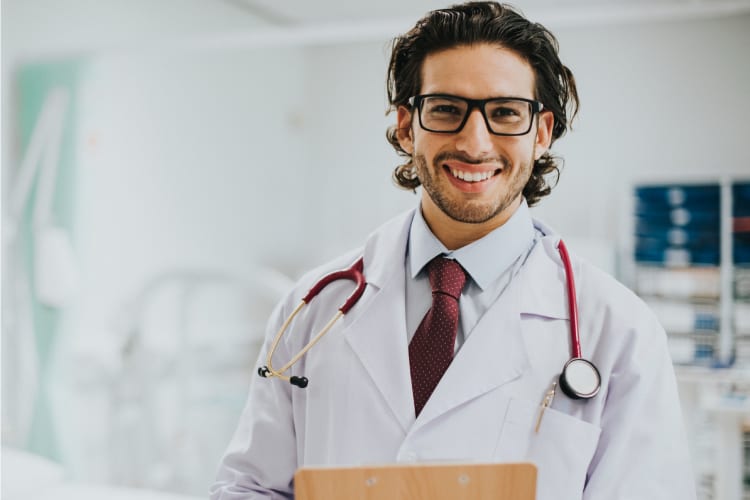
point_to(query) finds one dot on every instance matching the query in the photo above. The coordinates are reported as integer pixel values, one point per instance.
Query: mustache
(453, 155)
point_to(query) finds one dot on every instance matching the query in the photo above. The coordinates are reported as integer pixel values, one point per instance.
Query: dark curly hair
(484, 22)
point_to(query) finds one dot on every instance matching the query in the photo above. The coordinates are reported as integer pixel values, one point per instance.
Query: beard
(469, 211)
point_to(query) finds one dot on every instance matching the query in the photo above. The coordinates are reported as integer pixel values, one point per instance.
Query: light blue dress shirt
(490, 264)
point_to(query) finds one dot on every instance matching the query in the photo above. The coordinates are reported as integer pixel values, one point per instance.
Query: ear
(546, 121)
(404, 132)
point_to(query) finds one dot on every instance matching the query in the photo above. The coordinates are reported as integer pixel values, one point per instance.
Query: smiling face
(472, 179)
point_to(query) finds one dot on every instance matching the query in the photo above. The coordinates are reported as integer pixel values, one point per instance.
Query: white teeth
(471, 177)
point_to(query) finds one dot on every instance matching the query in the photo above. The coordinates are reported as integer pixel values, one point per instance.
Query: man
(459, 374)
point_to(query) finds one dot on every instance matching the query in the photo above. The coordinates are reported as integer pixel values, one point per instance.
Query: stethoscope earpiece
(300, 382)
(580, 379)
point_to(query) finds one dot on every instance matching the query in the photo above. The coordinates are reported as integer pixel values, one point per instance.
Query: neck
(456, 234)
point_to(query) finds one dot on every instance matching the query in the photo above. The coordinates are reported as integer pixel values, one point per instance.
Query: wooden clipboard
(509, 481)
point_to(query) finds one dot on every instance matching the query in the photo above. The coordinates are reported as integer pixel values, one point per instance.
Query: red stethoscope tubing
(575, 340)
(355, 273)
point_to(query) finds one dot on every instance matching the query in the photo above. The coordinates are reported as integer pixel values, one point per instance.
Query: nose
(475, 139)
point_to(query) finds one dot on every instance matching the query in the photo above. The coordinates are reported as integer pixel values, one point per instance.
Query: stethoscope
(580, 379)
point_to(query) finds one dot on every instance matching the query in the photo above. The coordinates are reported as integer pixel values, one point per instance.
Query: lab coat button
(408, 456)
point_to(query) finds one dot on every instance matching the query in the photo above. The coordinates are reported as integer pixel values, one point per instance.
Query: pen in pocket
(548, 397)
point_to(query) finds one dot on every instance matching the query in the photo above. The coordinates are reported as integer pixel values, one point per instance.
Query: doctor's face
(473, 176)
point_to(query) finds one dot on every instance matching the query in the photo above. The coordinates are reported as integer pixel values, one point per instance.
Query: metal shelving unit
(692, 265)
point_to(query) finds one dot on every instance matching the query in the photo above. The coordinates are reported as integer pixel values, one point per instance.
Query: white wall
(350, 190)
(42, 29)
(187, 161)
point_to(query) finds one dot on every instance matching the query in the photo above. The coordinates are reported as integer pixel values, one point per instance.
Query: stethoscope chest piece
(580, 379)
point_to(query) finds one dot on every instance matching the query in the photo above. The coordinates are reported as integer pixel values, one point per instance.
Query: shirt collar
(485, 259)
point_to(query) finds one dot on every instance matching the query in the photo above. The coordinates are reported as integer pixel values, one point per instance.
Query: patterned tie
(431, 348)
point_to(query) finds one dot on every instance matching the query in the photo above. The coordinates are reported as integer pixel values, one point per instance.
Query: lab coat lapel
(377, 331)
(493, 355)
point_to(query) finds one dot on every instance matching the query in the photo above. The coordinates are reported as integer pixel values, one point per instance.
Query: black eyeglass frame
(416, 104)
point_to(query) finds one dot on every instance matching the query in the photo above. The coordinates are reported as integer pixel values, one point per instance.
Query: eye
(444, 109)
(505, 111)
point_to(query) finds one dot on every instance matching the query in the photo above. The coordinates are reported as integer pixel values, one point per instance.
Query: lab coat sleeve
(642, 452)
(261, 459)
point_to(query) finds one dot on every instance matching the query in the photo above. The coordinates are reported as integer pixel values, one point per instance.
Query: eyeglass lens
(504, 116)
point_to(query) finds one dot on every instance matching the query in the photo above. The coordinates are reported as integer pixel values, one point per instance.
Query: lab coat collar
(385, 250)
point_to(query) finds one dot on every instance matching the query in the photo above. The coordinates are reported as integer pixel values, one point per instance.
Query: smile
(472, 176)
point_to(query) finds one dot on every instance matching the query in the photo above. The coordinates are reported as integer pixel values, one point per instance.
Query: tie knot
(446, 276)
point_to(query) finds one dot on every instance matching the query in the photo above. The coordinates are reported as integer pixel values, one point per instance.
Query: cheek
(521, 149)
(426, 147)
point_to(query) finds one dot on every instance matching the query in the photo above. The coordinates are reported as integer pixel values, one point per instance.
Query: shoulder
(603, 291)
(391, 232)
(596, 290)
(343, 261)
(602, 286)
(611, 316)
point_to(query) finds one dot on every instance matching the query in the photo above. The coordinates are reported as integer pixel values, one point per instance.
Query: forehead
(478, 71)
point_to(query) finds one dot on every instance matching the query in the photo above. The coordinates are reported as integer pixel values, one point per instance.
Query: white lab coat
(626, 443)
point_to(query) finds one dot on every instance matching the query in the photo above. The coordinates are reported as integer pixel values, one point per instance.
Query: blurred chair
(190, 347)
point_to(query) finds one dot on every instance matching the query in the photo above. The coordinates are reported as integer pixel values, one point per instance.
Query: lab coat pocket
(562, 448)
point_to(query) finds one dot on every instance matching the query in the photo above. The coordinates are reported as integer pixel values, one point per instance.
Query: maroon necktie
(431, 348)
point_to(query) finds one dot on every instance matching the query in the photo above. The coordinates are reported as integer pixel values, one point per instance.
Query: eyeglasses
(449, 113)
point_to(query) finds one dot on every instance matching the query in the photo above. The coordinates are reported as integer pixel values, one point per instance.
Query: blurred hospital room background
(170, 167)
